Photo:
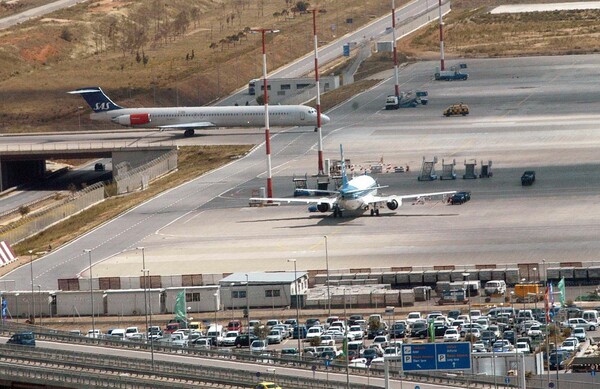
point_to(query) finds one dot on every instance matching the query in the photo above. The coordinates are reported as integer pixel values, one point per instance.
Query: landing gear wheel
(372, 212)
(189, 132)
(377, 212)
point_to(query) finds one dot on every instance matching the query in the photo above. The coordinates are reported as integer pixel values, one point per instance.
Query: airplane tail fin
(344, 175)
(96, 99)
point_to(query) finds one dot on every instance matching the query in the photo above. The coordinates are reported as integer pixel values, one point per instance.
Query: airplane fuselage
(362, 188)
(236, 116)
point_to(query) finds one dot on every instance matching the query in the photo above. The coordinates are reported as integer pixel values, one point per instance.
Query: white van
(118, 333)
(495, 287)
(591, 316)
(216, 333)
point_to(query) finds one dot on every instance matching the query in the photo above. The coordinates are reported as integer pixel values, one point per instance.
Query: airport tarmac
(526, 113)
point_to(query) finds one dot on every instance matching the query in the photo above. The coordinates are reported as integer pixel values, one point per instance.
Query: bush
(315, 341)
(24, 210)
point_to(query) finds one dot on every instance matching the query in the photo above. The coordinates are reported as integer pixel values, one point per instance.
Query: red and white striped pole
(441, 38)
(397, 84)
(266, 103)
(320, 133)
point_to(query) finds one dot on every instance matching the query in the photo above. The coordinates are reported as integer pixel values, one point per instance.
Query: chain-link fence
(33, 224)
(140, 177)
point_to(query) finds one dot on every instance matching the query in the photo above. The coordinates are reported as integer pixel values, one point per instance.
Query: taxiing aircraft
(191, 118)
(356, 196)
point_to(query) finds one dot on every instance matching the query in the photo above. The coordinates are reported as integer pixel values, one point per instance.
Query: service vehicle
(459, 198)
(457, 109)
(495, 287)
(267, 385)
(451, 75)
(528, 178)
(578, 322)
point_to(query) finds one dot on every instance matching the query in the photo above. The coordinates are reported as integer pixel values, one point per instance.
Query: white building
(263, 290)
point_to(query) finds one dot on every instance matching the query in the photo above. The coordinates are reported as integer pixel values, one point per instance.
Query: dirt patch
(39, 54)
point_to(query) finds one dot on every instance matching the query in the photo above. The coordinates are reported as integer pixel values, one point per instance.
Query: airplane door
(302, 116)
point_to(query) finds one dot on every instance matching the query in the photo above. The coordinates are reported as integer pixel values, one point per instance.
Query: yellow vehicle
(457, 109)
(195, 325)
(267, 385)
(528, 292)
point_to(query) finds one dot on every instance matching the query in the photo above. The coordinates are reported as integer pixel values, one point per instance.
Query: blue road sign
(436, 356)
(453, 356)
(417, 357)
(507, 380)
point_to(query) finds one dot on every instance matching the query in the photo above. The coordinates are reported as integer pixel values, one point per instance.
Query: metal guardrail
(264, 359)
(20, 147)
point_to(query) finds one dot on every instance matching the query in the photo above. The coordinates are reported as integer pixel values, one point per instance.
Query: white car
(314, 332)
(522, 347)
(451, 335)
(274, 336)
(413, 317)
(580, 334)
(391, 352)
(569, 345)
(258, 346)
(327, 340)
(338, 336)
(535, 331)
(130, 331)
(356, 331)
(581, 323)
(229, 338)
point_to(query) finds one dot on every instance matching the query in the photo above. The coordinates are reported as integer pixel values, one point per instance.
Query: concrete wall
(78, 303)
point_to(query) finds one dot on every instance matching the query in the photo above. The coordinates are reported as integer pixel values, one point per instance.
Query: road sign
(436, 356)
(346, 49)
(418, 357)
(507, 380)
(453, 356)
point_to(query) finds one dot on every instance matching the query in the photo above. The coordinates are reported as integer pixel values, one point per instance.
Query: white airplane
(356, 195)
(191, 118)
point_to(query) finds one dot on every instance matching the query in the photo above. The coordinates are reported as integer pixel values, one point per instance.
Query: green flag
(432, 332)
(179, 310)
(561, 288)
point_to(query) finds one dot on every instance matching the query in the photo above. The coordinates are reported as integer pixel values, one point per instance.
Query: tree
(24, 210)
(66, 35)
(315, 341)
(260, 100)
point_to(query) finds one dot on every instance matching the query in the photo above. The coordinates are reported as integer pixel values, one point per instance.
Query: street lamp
(327, 279)
(89, 252)
(145, 274)
(40, 300)
(31, 303)
(216, 295)
(297, 302)
(17, 305)
(247, 306)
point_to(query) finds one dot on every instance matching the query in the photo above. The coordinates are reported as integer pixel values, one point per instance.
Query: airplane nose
(324, 119)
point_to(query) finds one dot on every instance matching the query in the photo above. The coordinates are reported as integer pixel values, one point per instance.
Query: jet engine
(133, 119)
(323, 207)
(392, 205)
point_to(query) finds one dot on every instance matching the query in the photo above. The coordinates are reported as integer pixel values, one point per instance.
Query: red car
(234, 325)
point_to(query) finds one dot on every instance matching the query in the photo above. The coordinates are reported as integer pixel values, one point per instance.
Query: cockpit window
(312, 111)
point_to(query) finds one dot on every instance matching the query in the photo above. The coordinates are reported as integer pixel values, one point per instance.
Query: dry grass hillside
(186, 52)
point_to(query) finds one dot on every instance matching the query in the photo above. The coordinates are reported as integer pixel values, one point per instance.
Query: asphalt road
(24, 16)
(538, 113)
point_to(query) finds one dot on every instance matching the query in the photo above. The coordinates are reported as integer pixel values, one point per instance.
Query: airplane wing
(189, 125)
(398, 199)
(323, 200)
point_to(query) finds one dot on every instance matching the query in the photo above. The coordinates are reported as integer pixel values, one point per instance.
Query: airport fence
(35, 223)
(140, 177)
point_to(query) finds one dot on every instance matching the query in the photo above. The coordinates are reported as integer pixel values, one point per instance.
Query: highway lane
(265, 369)
(527, 122)
(371, 32)
(24, 16)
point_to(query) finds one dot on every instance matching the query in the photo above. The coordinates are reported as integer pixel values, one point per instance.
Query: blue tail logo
(96, 99)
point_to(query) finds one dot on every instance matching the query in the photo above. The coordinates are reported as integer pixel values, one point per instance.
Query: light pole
(145, 274)
(40, 300)
(263, 31)
(17, 305)
(216, 295)
(327, 279)
(297, 303)
(468, 287)
(247, 306)
(89, 252)
(32, 303)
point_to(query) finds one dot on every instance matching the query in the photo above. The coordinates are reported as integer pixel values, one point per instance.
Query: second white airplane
(356, 196)
(189, 119)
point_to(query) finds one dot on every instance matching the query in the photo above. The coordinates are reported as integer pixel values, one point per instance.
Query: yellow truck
(528, 292)
(457, 109)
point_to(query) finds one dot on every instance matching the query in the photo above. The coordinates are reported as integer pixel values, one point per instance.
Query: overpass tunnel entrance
(16, 173)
